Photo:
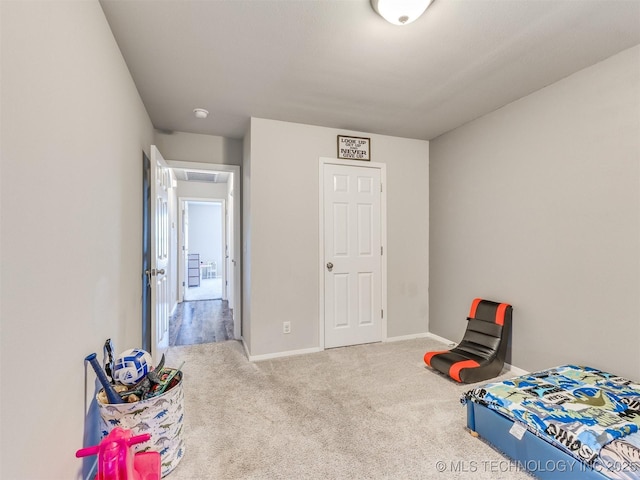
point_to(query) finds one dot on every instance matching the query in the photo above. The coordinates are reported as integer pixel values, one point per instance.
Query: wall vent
(201, 176)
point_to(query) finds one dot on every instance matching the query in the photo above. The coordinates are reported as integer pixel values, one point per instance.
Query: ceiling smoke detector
(201, 112)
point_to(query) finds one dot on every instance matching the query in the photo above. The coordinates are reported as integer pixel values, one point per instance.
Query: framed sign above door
(354, 148)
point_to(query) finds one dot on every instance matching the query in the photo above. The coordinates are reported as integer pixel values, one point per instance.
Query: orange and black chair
(481, 353)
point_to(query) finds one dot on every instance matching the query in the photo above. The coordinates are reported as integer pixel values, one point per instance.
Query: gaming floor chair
(481, 353)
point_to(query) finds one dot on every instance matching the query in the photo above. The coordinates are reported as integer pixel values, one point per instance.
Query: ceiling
(336, 63)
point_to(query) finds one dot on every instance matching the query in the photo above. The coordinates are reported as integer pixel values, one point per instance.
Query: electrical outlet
(286, 327)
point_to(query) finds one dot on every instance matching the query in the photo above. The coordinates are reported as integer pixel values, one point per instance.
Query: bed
(569, 421)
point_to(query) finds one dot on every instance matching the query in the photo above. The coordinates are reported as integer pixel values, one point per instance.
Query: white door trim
(237, 235)
(383, 235)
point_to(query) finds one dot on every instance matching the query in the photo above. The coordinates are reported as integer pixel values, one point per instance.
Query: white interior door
(158, 274)
(352, 255)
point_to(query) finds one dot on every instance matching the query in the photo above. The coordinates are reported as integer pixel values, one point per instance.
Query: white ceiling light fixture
(400, 12)
(200, 112)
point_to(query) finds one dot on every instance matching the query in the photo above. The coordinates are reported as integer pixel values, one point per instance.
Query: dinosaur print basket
(160, 416)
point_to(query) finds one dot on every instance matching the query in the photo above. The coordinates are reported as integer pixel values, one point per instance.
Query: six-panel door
(352, 255)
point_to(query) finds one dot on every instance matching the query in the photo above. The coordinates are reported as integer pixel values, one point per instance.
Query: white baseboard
(244, 345)
(406, 337)
(440, 339)
(270, 356)
(515, 370)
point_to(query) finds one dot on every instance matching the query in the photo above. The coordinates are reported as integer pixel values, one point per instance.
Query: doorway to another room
(203, 228)
(204, 312)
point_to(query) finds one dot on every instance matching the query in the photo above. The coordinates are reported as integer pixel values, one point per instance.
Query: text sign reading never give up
(354, 148)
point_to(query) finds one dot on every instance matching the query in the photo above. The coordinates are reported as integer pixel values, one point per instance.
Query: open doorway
(203, 314)
(206, 245)
(203, 229)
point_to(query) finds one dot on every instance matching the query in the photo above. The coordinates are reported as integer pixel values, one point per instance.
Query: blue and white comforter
(579, 409)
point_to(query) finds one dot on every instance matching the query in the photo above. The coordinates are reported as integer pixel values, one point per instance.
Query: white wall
(538, 205)
(193, 147)
(282, 234)
(73, 132)
(205, 232)
(203, 190)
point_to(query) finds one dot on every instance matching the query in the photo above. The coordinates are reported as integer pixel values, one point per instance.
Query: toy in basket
(131, 366)
(116, 460)
(153, 405)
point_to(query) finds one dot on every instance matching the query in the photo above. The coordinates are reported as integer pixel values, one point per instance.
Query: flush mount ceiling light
(200, 112)
(400, 12)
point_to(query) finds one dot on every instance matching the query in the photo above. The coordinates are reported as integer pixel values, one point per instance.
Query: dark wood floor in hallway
(202, 321)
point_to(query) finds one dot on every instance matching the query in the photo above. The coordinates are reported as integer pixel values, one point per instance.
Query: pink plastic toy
(116, 460)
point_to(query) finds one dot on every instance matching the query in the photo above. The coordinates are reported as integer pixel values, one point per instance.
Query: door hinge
(381, 250)
(381, 187)
(183, 284)
(381, 313)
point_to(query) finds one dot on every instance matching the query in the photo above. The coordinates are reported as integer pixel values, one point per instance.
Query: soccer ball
(131, 366)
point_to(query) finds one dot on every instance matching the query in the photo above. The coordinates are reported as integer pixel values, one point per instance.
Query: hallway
(209, 289)
(203, 321)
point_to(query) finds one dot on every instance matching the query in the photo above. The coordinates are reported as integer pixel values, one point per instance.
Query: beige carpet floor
(365, 412)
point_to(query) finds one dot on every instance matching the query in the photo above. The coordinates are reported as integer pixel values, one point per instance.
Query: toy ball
(131, 366)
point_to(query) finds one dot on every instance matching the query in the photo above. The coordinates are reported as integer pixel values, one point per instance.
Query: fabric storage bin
(161, 416)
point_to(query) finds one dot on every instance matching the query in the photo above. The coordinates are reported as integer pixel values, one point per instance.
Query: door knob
(329, 266)
(153, 272)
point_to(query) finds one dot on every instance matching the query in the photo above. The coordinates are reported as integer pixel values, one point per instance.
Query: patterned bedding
(592, 415)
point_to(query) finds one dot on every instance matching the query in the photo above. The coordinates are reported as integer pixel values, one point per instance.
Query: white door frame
(181, 253)
(383, 237)
(236, 246)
